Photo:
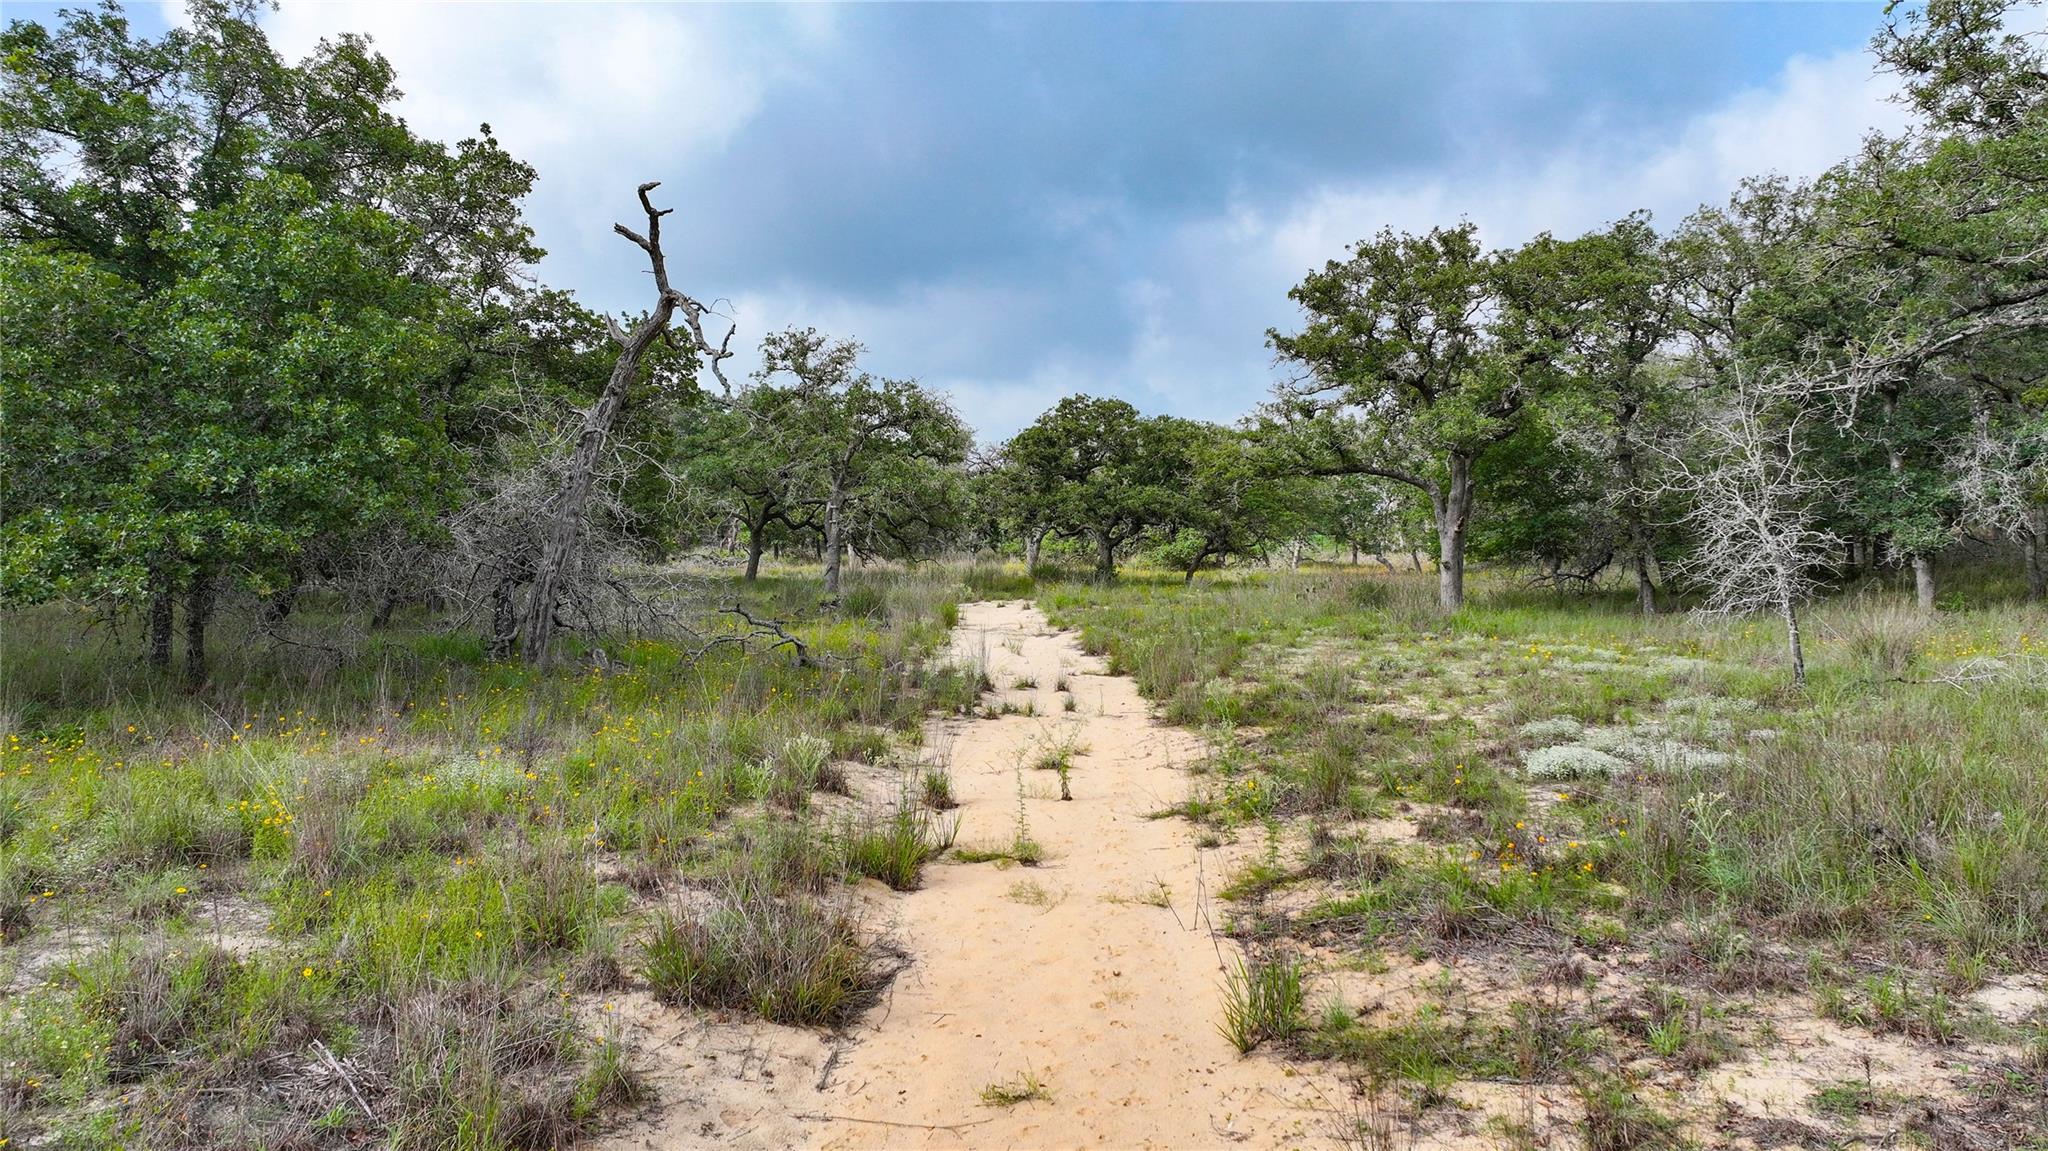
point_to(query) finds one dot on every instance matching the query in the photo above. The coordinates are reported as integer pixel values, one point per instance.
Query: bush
(1570, 761)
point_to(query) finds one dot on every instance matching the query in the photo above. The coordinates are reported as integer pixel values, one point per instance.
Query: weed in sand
(1033, 894)
(935, 787)
(1026, 1087)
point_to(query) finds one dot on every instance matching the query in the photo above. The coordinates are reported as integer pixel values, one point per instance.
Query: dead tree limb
(558, 547)
(764, 628)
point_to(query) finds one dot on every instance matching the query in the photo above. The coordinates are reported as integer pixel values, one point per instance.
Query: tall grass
(1262, 1000)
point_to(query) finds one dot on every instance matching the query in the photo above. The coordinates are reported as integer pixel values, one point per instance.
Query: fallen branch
(764, 628)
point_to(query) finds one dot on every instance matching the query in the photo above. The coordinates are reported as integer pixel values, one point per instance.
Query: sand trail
(1097, 974)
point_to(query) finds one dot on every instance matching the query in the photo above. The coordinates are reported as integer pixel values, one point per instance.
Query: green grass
(894, 847)
(1262, 1001)
(1026, 1087)
(404, 842)
(785, 958)
(1890, 810)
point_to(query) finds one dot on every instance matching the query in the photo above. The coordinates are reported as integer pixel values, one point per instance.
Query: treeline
(259, 337)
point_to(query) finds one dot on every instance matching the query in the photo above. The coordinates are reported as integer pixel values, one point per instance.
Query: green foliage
(1093, 469)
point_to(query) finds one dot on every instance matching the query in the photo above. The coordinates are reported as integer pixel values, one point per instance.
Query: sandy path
(1059, 971)
(1071, 972)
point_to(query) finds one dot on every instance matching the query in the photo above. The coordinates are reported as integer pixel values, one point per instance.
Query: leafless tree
(560, 543)
(2002, 477)
(1751, 504)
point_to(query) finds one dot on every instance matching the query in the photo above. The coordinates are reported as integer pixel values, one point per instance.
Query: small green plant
(1033, 894)
(1022, 850)
(1667, 1038)
(935, 788)
(1023, 1088)
(1262, 1000)
(895, 847)
(1846, 1099)
(1058, 756)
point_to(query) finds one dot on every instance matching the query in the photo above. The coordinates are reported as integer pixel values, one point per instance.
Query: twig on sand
(891, 1123)
(831, 1061)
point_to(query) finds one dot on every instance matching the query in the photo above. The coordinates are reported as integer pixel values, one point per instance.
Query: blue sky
(1015, 202)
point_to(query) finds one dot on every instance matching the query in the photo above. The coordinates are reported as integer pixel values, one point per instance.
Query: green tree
(1093, 469)
(878, 458)
(1419, 356)
(271, 394)
(149, 166)
(1234, 503)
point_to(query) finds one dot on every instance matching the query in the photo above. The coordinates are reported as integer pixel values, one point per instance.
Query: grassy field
(1545, 857)
(381, 896)
(1540, 866)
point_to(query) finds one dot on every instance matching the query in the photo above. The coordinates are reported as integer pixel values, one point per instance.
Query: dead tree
(1752, 508)
(563, 534)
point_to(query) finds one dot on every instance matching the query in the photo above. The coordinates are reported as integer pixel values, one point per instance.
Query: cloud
(1217, 283)
(1013, 202)
(598, 97)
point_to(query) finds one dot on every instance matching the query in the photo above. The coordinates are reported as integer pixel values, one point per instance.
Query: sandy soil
(1070, 973)
(1061, 972)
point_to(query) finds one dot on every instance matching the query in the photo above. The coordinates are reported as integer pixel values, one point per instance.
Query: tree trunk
(1034, 543)
(1385, 562)
(1632, 515)
(1794, 650)
(755, 541)
(160, 623)
(1354, 553)
(1452, 504)
(504, 638)
(1923, 582)
(558, 550)
(835, 544)
(1294, 556)
(2036, 553)
(198, 610)
(1105, 555)
(1415, 559)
